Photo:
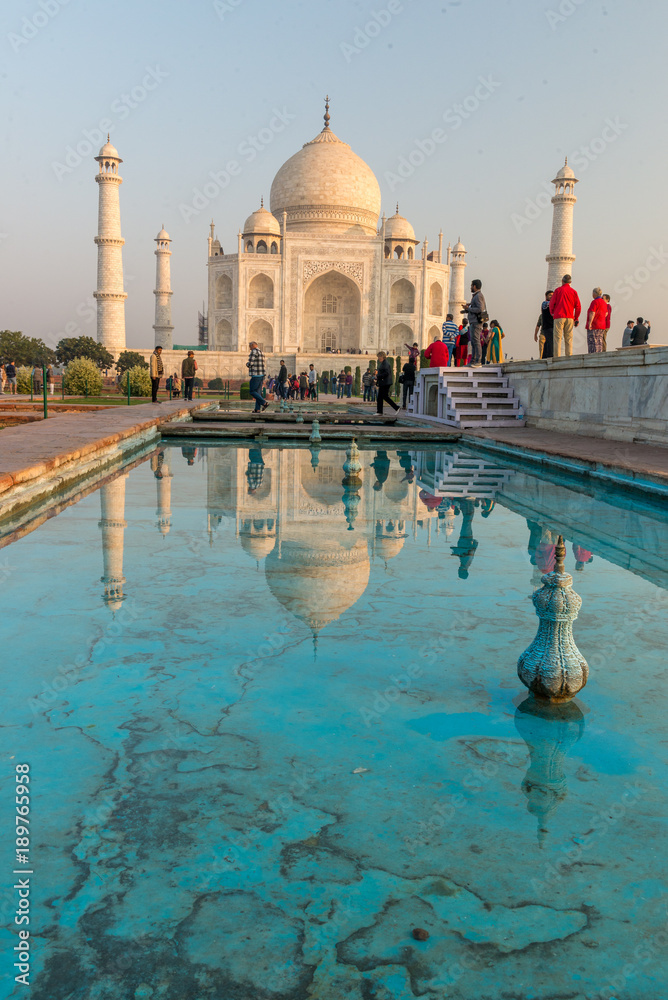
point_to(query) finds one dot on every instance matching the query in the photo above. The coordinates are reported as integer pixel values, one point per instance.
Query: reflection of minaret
(163, 474)
(113, 524)
(549, 731)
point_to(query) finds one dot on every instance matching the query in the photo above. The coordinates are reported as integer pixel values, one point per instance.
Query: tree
(424, 362)
(83, 347)
(14, 346)
(358, 381)
(129, 359)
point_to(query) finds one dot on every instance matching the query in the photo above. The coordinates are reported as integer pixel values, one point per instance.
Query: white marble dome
(326, 186)
(262, 222)
(565, 173)
(109, 150)
(399, 228)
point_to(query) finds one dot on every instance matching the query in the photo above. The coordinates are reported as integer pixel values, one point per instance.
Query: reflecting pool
(273, 722)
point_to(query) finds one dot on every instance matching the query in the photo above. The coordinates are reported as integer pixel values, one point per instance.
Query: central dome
(327, 187)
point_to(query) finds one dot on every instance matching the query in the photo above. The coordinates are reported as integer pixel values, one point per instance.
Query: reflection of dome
(257, 546)
(399, 228)
(327, 186)
(322, 484)
(317, 582)
(394, 489)
(388, 546)
(262, 222)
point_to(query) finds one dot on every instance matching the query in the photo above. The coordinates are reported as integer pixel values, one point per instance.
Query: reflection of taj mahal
(320, 272)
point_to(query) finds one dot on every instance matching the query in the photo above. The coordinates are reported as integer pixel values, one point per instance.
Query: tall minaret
(110, 295)
(113, 525)
(458, 297)
(163, 475)
(560, 258)
(163, 293)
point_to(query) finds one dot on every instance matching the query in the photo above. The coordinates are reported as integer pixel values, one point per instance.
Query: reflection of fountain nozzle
(549, 732)
(553, 667)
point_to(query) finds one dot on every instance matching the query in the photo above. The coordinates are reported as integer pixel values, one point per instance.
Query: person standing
(341, 385)
(565, 308)
(333, 384)
(303, 384)
(325, 383)
(258, 372)
(438, 354)
(312, 382)
(283, 381)
(597, 317)
(477, 314)
(37, 379)
(188, 369)
(349, 385)
(384, 383)
(628, 333)
(485, 334)
(156, 372)
(49, 378)
(408, 373)
(367, 382)
(413, 352)
(495, 347)
(450, 334)
(545, 328)
(462, 347)
(640, 334)
(10, 372)
(608, 321)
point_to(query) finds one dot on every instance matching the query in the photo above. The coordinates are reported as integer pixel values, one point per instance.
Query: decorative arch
(402, 296)
(224, 336)
(398, 252)
(263, 333)
(224, 292)
(410, 253)
(274, 247)
(261, 247)
(433, 334)
(249, 246)
(261, 292)
(436, 300)
(332, 312)
(400, 334)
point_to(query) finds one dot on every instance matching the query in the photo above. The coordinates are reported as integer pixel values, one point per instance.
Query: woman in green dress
(495, 348)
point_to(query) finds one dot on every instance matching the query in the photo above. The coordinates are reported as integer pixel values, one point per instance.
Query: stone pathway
(40, 452)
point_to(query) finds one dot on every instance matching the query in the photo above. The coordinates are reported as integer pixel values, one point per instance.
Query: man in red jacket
(438, 354)
(565, 308)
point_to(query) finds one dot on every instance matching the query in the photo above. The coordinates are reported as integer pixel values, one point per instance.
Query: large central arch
(332, 313)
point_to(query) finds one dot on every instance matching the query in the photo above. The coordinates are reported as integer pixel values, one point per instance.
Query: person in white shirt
(312, 382)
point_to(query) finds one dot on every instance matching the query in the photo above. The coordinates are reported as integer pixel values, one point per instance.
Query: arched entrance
(332, 313)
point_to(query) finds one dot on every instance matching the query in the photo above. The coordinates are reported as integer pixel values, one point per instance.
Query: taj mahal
(319, 271)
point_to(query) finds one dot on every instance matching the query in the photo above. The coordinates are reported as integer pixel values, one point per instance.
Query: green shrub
(424, 362)
(347, 369)
(244, 391)
(23, 373)
(373, 365)
(216, 383)
(199, 384)
(140, 381)
(82, 378)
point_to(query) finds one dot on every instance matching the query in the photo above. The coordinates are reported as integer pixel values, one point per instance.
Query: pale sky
(188, 87)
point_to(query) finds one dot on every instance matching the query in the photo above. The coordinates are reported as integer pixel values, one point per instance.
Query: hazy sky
(188, 87)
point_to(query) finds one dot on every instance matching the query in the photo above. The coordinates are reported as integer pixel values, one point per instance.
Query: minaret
(113, 525)
(560, 258)
(110, 295)
(457, 281)
(163, 293)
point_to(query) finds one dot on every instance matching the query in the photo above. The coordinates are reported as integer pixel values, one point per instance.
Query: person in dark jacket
(640, 333)
(408, 380)
(283, 381)
(303, 384)
(188, 369)
(384, 383)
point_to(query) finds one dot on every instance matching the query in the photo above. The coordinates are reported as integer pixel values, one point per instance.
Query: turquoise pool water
(273, 725)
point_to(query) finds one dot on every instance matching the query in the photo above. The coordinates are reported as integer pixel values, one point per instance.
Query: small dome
(399, 228)
(163, 235)
(262, 222)
(565, 173)
(459, 247)
(386, 547)
(257, 546)
(109, 150)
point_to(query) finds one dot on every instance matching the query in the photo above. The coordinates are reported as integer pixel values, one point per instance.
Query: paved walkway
(641, 461)
(33, 451)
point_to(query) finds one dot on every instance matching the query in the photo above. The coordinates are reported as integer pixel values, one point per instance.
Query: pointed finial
(397, 208)
(560, 554)
(262, 202)
(108, 134)
(326, 115)
(566, 161)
